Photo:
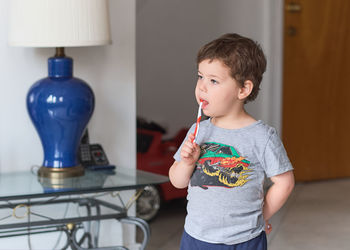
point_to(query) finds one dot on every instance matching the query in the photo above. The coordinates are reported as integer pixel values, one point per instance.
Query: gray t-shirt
(225, 194)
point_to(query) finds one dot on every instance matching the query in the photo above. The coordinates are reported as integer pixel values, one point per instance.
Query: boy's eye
(214, 81)
(200, 77)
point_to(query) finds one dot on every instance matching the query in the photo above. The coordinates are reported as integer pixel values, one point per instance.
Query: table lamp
(60, 105)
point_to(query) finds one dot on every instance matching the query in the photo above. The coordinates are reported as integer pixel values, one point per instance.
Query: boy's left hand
(268, 227)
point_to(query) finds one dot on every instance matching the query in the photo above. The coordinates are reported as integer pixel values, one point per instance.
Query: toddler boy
(225, 168)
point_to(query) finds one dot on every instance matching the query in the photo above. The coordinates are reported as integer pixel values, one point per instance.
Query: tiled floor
(316, 217)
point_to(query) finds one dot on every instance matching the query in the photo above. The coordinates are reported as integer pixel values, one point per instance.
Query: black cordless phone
(92, 156)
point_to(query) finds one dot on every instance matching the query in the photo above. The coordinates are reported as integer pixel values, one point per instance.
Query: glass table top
(22, 185)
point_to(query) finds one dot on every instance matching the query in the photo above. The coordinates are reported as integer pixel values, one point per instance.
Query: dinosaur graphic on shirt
(220, 165)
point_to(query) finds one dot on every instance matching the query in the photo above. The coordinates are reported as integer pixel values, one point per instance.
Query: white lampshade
(59, 23)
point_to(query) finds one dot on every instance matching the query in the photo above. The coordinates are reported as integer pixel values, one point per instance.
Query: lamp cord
(34, 169)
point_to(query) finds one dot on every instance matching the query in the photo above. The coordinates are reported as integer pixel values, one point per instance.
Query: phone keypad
(85, 152)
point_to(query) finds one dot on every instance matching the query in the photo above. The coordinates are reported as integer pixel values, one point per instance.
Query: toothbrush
(199, 117)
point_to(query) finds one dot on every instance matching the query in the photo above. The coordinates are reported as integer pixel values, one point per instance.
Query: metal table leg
(141, 224)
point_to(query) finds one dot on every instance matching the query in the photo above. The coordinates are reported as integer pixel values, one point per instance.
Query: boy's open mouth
(204, 103)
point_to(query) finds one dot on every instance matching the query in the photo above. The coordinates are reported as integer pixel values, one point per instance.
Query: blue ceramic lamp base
(60, 106)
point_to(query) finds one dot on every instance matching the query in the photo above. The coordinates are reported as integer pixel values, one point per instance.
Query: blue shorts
(190, 243)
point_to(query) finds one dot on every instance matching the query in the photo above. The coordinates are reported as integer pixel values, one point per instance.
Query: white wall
(169, 34)
(110, 71)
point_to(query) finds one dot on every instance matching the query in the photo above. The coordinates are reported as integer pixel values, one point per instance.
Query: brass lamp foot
(59, 173)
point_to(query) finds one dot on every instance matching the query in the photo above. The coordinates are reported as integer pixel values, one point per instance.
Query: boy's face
(218, 90)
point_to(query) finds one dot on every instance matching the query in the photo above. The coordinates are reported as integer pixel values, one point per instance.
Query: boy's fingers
(187, 150)
(190, 137)
(189, 144)
(268, 228)
(196, 147)
(184, 155)
(189, 147)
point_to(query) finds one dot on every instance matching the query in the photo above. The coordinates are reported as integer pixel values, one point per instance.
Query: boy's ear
(245, 91)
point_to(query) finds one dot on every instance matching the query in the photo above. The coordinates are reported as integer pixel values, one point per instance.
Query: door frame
(272, 86)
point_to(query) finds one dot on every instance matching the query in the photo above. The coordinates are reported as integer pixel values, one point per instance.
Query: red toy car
(156, 155)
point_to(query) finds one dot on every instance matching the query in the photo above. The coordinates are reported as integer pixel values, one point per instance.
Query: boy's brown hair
(242, 55)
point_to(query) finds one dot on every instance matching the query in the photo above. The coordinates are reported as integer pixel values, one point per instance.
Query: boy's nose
(202, 86)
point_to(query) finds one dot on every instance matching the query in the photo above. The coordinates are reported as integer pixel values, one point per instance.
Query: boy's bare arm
(278, 193)
(180, 172)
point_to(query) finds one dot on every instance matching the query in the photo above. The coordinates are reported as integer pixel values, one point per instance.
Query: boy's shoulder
(264, 129)
(263, 133)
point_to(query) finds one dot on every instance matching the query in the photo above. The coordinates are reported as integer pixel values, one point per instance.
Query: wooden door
(316, 90)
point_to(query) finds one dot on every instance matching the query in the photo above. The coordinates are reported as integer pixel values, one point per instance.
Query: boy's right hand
(190, 151)
(268, 227)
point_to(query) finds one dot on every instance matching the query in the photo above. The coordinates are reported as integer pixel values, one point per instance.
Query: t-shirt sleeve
(177, 155)
(274, 159)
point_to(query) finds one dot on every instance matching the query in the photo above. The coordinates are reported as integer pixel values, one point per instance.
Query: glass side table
(21, 191)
